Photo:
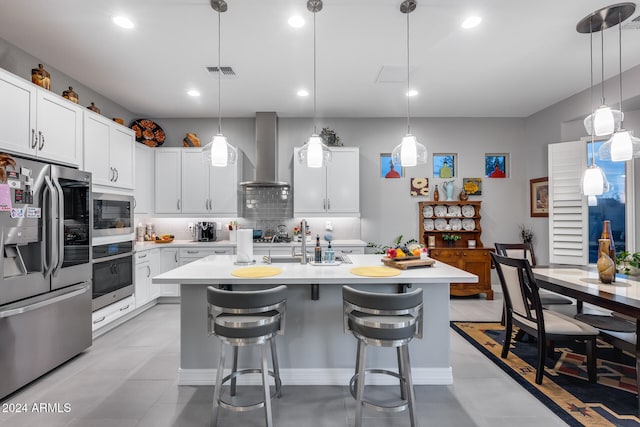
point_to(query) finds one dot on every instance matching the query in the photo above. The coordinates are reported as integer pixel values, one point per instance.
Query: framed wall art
(539, 197)
(419, 187)
(472, 186)
(388, 169)
(496, 165)
(445, 165)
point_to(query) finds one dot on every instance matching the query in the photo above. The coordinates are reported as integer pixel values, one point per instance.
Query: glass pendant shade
(592, 201)
(594, 181)
(620, 147)
(315, 154)
(603, 121)
(219, 152)
(409, 152)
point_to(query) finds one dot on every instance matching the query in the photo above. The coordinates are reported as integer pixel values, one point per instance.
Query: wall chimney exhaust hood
(266, 198)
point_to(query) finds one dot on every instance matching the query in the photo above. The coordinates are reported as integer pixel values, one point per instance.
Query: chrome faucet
(303, 246)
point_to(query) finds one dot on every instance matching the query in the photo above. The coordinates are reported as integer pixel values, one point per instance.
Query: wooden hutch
(439, 220)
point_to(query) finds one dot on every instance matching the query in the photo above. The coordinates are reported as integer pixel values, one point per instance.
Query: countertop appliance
(204, 231)
(45, 274)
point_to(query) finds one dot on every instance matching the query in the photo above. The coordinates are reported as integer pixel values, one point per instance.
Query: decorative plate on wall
(428, 224)
(148, 132)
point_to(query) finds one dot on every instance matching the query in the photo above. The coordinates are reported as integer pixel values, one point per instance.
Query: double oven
(113, 248)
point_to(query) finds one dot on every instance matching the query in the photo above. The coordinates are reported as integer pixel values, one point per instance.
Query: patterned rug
(565, 388)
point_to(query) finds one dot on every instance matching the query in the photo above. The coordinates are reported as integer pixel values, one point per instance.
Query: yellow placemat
(256, 272)
(375, 271)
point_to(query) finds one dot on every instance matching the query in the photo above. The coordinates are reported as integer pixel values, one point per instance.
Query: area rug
(565, 388)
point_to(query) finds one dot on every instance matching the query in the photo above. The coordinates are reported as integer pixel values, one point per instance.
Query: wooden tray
(407, 262)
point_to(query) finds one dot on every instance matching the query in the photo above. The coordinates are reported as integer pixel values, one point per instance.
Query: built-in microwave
(112, 214)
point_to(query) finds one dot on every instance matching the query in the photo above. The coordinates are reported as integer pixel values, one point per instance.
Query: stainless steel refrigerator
(45, 273)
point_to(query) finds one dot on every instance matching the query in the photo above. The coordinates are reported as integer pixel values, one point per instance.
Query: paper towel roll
(244, 246)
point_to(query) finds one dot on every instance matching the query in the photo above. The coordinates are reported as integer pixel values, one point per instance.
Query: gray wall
(20, 63)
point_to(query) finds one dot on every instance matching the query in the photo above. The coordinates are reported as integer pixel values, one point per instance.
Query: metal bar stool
(383, 320)
(241, 318)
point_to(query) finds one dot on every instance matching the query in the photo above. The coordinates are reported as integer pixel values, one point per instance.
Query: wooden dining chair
(525, 251)
(524, 310)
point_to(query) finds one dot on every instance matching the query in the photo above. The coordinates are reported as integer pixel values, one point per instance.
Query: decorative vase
(448, 188)
(463, 195)
(41, 77)
(606, 266)
(436, 194)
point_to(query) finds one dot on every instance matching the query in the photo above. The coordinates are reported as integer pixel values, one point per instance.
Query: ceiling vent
(227, 72)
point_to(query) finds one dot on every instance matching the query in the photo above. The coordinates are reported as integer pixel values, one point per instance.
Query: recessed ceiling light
(123, 22)
(193, 93)
(296, 21)
(412, 92)
(470, 22)
(303, 92)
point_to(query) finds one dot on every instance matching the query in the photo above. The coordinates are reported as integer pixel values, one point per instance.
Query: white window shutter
(568, 211)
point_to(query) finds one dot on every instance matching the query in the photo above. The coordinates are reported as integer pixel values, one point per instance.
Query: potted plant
(451, 239)
(628, 263)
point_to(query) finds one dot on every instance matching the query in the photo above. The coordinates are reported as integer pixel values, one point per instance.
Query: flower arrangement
(451, 237)
(526, 233)
(628, 263)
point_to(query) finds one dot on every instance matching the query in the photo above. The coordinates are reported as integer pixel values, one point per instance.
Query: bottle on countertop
(607, 233)
(318, 250)
(329, 254)
(436, 194)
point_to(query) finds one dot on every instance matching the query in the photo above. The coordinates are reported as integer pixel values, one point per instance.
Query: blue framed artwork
(496, 165)
(445, 165)
(387, 169)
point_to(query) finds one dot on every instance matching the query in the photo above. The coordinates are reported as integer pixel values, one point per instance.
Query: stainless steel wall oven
(113, 268)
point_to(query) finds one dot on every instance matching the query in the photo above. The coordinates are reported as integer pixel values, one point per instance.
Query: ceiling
(524, 56)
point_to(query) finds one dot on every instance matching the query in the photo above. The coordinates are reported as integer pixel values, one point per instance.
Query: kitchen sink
(275, 259)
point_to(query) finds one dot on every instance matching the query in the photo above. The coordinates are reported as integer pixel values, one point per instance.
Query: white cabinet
(108, 152)
(188, 255)
(146, 267)
(330, 190)
(39, 123)
(168, 261)
(184, 183)
(167, 180)
(112, 312)
(143, 191)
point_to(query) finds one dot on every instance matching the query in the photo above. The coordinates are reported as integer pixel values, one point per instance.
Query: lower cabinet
(147, 266)
(112, 312)
(168, 261)
(476, 261)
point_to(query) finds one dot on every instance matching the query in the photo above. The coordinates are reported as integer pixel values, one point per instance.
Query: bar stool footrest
(378, 405)
(244, 408)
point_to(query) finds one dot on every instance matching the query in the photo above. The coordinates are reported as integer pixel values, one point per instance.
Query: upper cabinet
(108, 152)
(143, 192)
(330, 190)
(184, 183)
(38, 123)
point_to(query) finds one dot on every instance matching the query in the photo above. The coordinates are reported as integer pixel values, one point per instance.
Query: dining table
(582, 283)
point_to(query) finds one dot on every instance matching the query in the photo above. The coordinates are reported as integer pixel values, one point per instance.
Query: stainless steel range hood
(266, 198)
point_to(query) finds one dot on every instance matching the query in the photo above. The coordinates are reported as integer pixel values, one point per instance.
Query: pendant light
(604, 121)
(594, 181)
(622, 146)
(314, 153)
(409, 152)
(218, 151)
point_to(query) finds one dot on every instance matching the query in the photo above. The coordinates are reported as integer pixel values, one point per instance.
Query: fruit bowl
(163, 240)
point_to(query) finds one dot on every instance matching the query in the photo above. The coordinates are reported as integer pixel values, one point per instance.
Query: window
(610, 206)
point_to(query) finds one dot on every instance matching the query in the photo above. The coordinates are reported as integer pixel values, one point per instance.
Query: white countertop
(216, 269)
(143, 246)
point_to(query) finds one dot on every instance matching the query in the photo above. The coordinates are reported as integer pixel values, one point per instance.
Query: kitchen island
(314, 349)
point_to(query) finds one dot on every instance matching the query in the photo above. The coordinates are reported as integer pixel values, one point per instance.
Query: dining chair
(525, 250)
(524, 310)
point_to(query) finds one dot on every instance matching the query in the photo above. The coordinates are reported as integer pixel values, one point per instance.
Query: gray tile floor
(129, 378)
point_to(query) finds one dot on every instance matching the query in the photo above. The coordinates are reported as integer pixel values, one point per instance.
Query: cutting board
(407, 262)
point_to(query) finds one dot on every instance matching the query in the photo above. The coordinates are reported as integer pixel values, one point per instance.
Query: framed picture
(539, 196)
(419, 187)
(496, 165)
(388, 169)
(445, 165)
(472, 186)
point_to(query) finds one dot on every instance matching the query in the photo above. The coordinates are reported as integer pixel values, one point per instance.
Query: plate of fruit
(411, 251)
(164, 238)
